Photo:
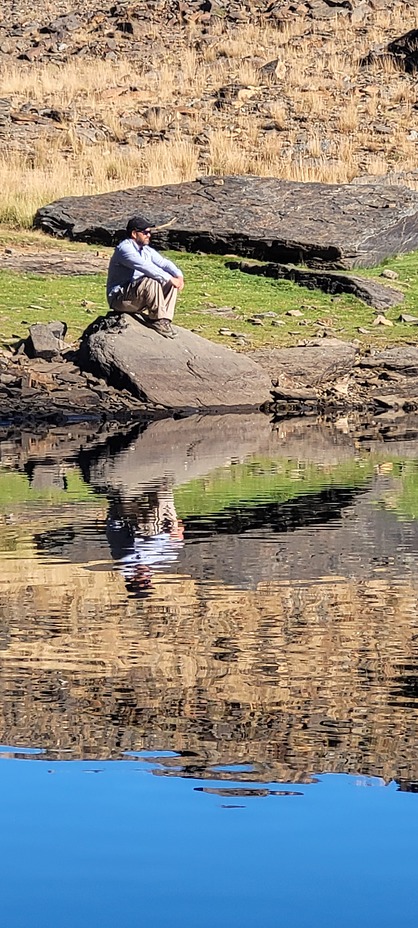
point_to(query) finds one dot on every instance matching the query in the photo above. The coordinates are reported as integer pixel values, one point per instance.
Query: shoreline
(324, 377)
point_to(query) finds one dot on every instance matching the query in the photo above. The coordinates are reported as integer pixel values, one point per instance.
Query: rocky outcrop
(369, 291)
(125, 372)
(327, 373)
(402, 51)
(187, 372)
(36, 390)
(321, 225)
(105, 32)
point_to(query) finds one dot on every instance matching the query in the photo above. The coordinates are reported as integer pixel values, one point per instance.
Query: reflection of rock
(50, 475)
(308, 667)
(181, 450)
(42, 448)
(109, 456)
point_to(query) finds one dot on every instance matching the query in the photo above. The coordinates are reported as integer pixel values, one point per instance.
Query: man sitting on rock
(140, 278)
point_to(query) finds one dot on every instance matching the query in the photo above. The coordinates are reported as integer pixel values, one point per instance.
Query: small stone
(296, 313)
(278, 322)
(405, 317)
(389, 274)
(224, 332)
(46, 340)
(381, 320)
(359, 13)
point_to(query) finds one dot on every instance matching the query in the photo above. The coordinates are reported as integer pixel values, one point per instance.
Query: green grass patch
(265, 481)
(402, 498)
(28, 298)
(15, 489)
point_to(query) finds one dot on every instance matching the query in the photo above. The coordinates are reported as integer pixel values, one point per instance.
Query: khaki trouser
(147, 293)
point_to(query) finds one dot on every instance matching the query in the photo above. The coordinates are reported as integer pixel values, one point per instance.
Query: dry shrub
(63, 84)
(248, 74)
(314, 146)
(233, 47)
(226, 157)
(278, 112)
(29, 181)
(376, 165)
(170, 162)
(348, 119)
(322, 170)
(317, 103)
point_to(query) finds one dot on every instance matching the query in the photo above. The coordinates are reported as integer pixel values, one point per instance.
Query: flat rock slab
(187, 372)
(64, 263)
(403, 360)
(321, 225)
(340, 378)
(370, 291)
(319, 362)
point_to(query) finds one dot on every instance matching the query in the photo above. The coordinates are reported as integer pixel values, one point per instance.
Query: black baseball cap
(137, 224)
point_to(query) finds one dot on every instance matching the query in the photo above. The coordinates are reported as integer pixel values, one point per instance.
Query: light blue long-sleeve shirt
(130, 262)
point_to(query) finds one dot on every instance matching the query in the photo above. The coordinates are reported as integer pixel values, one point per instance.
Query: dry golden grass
(161, 121)
(226, 156)
(278, 112)
(31, 181)
(348, 119)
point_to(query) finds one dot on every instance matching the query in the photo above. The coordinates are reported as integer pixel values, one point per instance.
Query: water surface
(208, 646)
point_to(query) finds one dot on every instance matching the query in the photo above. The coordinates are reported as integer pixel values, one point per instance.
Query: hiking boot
(163, 327)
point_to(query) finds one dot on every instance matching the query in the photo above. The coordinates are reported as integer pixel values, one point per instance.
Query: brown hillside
(164, 90)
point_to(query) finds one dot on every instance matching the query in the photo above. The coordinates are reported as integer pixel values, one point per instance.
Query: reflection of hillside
(357, 540)
(294, 678)
(286, 639)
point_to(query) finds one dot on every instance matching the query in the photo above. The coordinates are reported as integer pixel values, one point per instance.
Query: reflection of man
(140, 278)
(143, 535)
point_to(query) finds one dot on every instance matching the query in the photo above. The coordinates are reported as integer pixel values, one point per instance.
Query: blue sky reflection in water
(109, 844)
(209, 638)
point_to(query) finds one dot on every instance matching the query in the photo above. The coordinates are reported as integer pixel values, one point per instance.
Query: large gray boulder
(187, 372)
(321, 225)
